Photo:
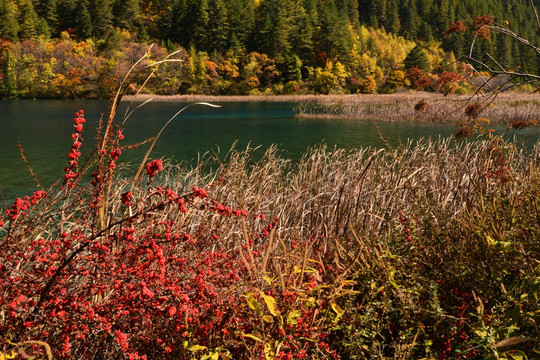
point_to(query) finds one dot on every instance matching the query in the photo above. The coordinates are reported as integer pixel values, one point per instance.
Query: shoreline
(398, 107)
(228, 98)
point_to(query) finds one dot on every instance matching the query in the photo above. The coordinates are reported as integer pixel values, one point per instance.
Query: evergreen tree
(9, 27)
(290, 67)
(425, 33)
(410, 20)
(101, 17)
(351, 8)
(377, 12)
(302, 38)
(276, 27)
(392, 22)
(8, 84)
(68, 15)
(47, 10)
(218, 26)
(504, 51)
(83, 21)
(195, 24)
(142, 34)
(177, 30)
(455, 43)
(241, 15)
(126, 14)
(417, 58)
(28, 20)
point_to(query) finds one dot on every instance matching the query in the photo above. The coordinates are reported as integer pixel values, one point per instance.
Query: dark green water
(44, 129)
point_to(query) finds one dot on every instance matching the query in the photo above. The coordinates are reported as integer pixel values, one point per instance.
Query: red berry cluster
(75, 154)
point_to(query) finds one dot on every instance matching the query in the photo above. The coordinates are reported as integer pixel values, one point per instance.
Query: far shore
(236, 98)
(398, 107)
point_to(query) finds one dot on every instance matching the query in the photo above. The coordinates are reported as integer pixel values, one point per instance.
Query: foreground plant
(127, 268)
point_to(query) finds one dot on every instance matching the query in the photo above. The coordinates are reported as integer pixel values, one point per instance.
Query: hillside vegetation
(62, 49)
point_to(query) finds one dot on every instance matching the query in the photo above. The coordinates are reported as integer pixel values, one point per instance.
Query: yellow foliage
(340, 72)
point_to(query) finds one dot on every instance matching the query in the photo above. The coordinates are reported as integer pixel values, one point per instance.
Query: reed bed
(505, 108)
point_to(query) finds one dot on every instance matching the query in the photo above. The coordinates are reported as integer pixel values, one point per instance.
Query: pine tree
(196, 23)
(101, 17)
(47, 10)
(218, 26)
(177, 28)
(302, 38)
(142, 34)
(392, 22)
(425, 33)
(241, 17)
(8, 84)
(68, 15)
(83, 21)
(28, 20)
(377, 12)
(410, 20)
(9, 27)
(126, 14)
(417, 58)
(455, 43)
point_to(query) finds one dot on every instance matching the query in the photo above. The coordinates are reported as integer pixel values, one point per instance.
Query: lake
(44, 128)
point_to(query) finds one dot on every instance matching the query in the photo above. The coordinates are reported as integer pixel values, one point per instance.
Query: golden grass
(335, 195)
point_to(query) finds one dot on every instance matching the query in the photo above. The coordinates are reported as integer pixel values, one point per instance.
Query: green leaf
(514, 314)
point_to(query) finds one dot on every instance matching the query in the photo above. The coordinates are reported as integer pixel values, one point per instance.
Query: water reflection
(44, 128)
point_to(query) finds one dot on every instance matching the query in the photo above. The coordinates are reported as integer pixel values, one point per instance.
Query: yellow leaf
(211, 356)
(197, 348)
(252, 337)
(269, 352)
(267, 279)
(253, 303)
(268, 318)
(12, 354)
(481, 333)
(270, 303)
(292, 316)
(338, 310)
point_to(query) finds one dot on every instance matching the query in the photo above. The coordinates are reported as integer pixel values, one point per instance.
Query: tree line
(299, 36)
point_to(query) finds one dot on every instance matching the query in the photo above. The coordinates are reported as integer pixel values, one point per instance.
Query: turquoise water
(44, 129)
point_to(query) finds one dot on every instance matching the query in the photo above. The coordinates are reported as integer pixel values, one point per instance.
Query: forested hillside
(262, 45)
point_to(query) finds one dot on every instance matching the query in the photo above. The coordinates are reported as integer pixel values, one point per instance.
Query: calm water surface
(44, 129)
